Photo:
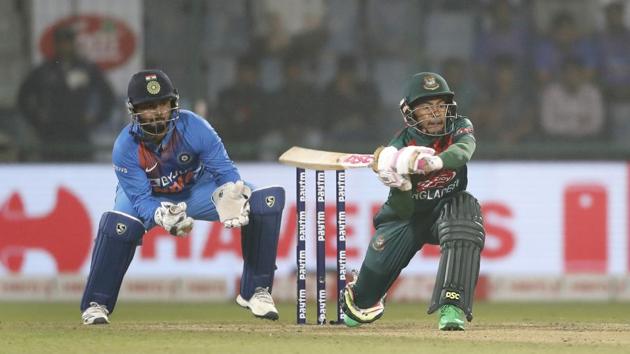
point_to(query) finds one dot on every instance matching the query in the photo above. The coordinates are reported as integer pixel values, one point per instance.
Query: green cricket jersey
(427, 191)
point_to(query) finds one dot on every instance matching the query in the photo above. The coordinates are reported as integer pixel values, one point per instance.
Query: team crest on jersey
(430, 83)
(120, 228)
(379, 243)
(184, 158)
(465, 130)
(153, 87)
(439, 180)
(270, 201)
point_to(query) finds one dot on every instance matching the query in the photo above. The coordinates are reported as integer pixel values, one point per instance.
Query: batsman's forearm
(458, 154)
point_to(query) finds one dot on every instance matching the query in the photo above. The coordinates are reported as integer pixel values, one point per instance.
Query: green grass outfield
(226, 328)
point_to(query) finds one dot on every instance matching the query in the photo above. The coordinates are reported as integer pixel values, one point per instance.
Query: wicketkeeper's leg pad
(114, 248)
(461, 234)
(259, 239)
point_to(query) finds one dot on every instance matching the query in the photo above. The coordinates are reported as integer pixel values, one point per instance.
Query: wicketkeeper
(425, 168)
(172, 168)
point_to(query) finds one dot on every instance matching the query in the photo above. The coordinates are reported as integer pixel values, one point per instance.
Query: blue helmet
(148, 86)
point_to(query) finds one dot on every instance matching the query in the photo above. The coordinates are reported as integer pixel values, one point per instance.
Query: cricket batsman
(172, 168)
(425, 168)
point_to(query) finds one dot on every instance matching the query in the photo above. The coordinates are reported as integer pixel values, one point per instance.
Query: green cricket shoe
(451, 318)
(350, 322)
(353, 315)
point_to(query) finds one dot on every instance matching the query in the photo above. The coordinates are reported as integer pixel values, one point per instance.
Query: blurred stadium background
(546, 83)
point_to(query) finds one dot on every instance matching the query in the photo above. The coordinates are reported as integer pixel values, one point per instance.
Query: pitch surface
(226, 328)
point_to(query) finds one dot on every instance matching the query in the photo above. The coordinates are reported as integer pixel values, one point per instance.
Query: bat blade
(324, 160)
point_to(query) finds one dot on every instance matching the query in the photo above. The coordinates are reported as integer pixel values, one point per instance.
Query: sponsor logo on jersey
(436, 186)
(174, 181)
(120, 169)
(439, 180)
(149, 169)
(465, 130)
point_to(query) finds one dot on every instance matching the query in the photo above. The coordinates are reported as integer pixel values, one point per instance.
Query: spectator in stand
(571, 107)
(309, 42)
(460, 80)
(390, 27)
(64, 99)
(564, 40)
(272, 39)
(504, 31)
(505, 111)
(296, 109)
(614, 53)
(241, 111)
(353, 106)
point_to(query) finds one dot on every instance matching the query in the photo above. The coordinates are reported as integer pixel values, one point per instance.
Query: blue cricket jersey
(188, 151)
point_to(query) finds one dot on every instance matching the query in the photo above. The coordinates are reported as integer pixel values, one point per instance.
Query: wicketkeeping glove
(173, 218)
(232, 203)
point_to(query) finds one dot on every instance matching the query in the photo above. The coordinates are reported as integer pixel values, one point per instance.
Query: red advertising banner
(542, 220)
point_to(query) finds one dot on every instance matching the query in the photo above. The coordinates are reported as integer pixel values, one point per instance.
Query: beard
(157, 128)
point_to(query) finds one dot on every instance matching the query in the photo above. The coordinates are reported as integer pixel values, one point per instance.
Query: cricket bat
(324, 160)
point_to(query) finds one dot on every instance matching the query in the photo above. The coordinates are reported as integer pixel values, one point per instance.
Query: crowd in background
(329, 73)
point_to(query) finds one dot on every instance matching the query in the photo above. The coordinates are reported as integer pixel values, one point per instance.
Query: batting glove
(393, 180)
(384, 162)
(406, 160)
(384, 158)
(428, 164)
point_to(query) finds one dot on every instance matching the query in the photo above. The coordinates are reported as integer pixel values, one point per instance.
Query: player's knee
(379, 266)
(265, 216)
(461, 219)
(390, 250)
(120, 227)
(267, 200)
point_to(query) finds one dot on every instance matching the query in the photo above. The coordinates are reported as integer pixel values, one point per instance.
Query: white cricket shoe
(95, 314)
(261, 304)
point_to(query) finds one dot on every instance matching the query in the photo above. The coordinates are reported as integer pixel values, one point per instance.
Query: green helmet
(426, 85)
(423, 86)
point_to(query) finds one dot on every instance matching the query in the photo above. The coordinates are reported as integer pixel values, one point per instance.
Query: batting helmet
(424, 86)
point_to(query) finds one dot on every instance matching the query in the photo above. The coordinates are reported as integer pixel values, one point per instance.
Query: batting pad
(461, 234)
(114, 248)
(259, 239)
